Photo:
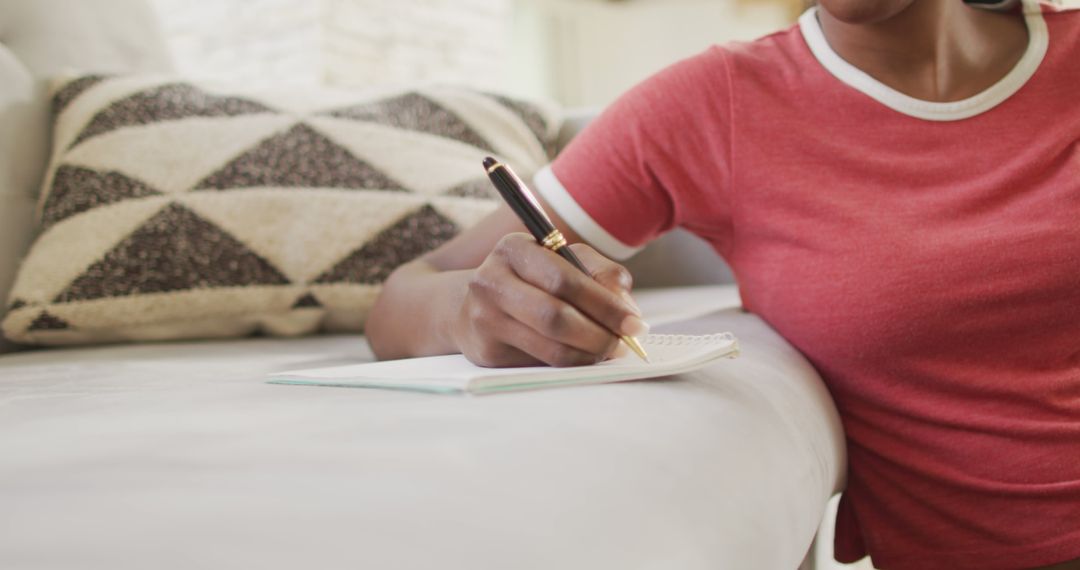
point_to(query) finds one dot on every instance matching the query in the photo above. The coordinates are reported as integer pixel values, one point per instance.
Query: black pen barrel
(537, 224)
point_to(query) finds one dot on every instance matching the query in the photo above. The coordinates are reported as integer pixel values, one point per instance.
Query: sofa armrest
(16, 223)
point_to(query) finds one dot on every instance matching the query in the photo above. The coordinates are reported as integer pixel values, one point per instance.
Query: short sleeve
(643, 165)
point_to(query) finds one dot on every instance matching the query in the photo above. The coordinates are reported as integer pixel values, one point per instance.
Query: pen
(525, 205)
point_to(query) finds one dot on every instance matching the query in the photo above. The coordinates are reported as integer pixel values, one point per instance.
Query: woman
(896, 184)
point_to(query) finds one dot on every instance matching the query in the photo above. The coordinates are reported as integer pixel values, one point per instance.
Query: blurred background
(579, 53)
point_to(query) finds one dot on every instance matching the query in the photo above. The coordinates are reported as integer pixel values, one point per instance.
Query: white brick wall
(373, 41)
(249, 41)
(344, 42)
(601, 49)
(578, 52)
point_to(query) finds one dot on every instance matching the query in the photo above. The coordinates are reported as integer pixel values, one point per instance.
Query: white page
(668, 354)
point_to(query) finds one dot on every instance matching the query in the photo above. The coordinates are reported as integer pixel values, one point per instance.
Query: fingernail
(633, 326)
(630, 302)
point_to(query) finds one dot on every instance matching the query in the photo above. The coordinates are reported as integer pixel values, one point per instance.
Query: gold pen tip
(636, 347)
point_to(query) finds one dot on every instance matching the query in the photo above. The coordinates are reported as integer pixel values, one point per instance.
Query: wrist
(449, 322)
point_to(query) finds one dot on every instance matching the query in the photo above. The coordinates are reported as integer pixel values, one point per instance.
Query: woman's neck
(935, 50)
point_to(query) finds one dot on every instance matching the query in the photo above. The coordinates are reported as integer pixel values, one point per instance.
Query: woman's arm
(494, 295)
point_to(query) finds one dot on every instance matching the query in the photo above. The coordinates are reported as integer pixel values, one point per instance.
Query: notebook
(668, 354)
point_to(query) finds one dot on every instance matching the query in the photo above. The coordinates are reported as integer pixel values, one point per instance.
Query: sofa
(179, 455)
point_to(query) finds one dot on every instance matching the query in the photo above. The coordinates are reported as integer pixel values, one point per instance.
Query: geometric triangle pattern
(175, 250)
(300, 156)
(308, 300)
(413, 111)
(173, 156)
(479, 188)
(415, 234)
(532, 117)
(167, 103)
(45, 321)
(71, 90)
(181, 212)
(76, 189)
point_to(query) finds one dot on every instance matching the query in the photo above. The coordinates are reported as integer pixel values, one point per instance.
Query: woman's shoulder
(1054, 10)
(780, 62)
(712, 72)
(784, 46)
(1066, 18)
(1061, 34)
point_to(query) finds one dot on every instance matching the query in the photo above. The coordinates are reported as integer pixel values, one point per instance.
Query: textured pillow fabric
(172, 210)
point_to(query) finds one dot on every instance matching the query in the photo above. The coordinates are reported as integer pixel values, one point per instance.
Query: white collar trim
(1038, 41)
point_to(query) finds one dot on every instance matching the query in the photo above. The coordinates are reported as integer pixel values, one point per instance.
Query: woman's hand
(525, 305)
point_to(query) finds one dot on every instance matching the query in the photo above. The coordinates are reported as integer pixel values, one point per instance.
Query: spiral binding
(688, 339)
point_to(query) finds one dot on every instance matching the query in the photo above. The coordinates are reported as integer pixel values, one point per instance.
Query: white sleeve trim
(555, 194)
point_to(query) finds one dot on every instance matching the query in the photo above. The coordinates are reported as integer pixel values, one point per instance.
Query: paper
(668, 354)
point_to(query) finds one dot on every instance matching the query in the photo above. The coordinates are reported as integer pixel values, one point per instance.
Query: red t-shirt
(925, 257)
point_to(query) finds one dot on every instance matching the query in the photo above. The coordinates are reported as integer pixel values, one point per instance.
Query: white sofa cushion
(41, 38)
(18, 139)
(52, 36)
(179, 455)
(21, 135)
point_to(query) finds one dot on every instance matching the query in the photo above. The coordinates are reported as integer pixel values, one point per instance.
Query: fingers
(507, 342)
(554, 353)
(500, 291)
(557, 320)
(526, 305)
(552, 274)
(499, 355)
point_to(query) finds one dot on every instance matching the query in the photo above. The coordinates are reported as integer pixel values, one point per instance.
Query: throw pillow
(173, 210)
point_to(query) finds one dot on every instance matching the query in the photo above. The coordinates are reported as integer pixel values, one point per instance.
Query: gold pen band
(554, 241)
(526, 207)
